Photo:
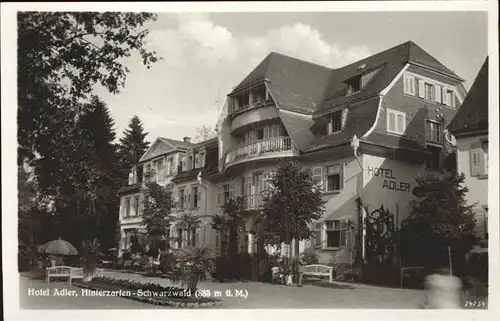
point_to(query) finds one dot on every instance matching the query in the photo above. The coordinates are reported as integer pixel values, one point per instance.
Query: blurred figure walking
(443, 290)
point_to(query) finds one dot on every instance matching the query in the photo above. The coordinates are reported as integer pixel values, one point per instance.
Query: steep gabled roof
(177, 143)
(385, 66)
(295, 84)
(472, 116)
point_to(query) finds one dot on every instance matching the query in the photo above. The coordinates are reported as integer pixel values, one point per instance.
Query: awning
(333, 217)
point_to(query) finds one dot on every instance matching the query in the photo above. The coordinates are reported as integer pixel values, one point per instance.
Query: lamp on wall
(355, 146)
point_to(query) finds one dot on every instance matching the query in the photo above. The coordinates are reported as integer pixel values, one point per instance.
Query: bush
(310, 256)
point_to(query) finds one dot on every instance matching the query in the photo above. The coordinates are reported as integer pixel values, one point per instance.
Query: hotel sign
(390, 182)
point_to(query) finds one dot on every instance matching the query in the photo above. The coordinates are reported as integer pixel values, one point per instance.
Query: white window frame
(331, 130)
(196, 196)
(182, 199)
(137, 203)
(409, 84)
(432, 91)
(127, 206)
(439, 127)
(396, 114)
(339, 172)
(449, 102)
(336, 226)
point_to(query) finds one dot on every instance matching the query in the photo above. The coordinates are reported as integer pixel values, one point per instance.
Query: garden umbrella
(58, 247)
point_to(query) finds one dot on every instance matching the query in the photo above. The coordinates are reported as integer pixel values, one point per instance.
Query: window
(318, 232)
(170, 165)
(137, 203)
(192, 238)
(159, 165)
(179, 238)
(409, 85)
(336, 234)
(448, 97)
(429, 91)
(335, 124)
(181, 199)
(317, 175)
(479, 158)
(354, 85)
(195, 196)
(243, 100)
(433, 131)
(259, 95)
(132, 177)
(147, 173)
(434, 159)
(225, 193)
(396, 122)
(334, 178)
(127, 206)
(228, 192)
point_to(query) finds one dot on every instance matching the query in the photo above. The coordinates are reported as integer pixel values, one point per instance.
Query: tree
(204, 133)
(290, 205)
(132, 146)
(189, 222)
(227, 225)
(440, 219)
(79, 171)
(62, 56)
(157, 213)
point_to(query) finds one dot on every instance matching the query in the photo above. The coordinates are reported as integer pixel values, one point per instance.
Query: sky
(206, 54)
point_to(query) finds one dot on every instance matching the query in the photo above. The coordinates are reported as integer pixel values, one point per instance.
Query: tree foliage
(157, 215)
(227, 225)
(291, 204)
(62, 56)
(132, 146)
(204, 133)
(439, 218)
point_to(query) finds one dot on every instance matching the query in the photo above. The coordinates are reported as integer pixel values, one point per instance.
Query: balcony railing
(260, 147)
(251, 202)
(255, 104)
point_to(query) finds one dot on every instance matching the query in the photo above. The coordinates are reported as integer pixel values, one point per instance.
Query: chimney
(187, 140)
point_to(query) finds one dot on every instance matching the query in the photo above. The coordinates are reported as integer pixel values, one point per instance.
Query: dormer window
(335, 123)
(243, 100)
(354, 85)
(259, 96)
(132, 176)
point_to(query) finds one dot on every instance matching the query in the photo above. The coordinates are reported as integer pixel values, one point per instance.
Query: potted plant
(91, 254)
(194, 264)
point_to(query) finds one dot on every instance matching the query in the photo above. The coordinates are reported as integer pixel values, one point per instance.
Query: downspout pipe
(355, 146)
(206, 203)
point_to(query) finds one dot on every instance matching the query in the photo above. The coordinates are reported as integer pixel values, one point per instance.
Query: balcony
(256, 104)
(252, 202)
(264, 148)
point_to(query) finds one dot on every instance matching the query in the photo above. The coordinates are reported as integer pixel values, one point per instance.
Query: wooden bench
(68, 272)
(318, 270)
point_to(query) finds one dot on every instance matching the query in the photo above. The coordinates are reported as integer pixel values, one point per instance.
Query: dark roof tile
(472, 116)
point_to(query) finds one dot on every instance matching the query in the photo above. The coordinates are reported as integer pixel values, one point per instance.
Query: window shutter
(219, 192)
(183, 163)
(167, 167)
(318, 238)
(438, 93)
(344, 118)
(342, 171)
(444, 97)
(409, 85)
(451, 101)
(421, 88)
(476, 159)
